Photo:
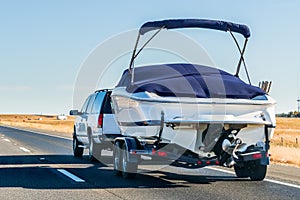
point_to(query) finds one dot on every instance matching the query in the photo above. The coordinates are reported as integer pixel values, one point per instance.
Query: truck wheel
(77, 151)
(117, 159)
(129, 169)
(258, 172)
(92, 150)
(241, 172)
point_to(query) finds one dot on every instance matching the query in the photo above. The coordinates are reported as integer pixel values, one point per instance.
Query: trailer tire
(129, 169)
(117, 159)
(258, 172)
(241, 172)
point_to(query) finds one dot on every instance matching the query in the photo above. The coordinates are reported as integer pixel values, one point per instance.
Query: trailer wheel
(241, 172)
(77, 151)
(129, 169)
(258, 172)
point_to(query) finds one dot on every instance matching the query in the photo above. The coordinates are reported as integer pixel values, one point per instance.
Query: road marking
(6, 140)
(220, 170)
(71, 176)
(283, 183)
(266, 179)
(24, 149)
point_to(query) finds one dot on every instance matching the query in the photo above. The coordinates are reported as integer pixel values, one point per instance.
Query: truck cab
(95, 127)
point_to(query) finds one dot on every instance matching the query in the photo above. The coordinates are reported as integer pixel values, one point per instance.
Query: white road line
(220, 170)
(24, 149)
(71, 176)
(266, 179)
(6, 140)
(283, 183)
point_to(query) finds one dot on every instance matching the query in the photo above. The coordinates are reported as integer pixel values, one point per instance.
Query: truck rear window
(106, 108)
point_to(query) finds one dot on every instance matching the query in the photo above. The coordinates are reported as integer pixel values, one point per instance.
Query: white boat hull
(186, 119)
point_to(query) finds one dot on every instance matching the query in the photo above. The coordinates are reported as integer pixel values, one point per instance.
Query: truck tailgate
(110, 126)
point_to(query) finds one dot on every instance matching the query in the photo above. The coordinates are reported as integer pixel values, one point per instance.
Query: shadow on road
(40, 172)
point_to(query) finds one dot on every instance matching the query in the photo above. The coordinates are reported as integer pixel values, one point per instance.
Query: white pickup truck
(95, 127)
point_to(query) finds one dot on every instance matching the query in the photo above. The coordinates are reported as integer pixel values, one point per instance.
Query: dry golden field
(43, 123)
(285, 146)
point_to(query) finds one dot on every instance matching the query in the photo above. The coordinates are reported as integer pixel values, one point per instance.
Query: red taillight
(153, 152)
(100, 121)
(257, 156)
(162, 153)
(133, 152)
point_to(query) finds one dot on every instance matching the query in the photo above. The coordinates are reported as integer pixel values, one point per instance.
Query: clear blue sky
(43, 44)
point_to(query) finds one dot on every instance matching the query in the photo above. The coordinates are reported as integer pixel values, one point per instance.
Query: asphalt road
(37, 166)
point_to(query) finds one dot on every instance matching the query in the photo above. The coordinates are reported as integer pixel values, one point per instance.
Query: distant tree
(281, 115)
(289, 114)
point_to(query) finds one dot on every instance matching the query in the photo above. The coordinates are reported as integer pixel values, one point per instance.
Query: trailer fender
(265, 160)
(130, 145)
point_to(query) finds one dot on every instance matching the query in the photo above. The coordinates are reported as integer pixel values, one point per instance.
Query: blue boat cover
(196, 23)
(188, 80)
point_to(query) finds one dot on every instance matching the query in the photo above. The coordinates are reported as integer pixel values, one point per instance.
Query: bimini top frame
(193, 23)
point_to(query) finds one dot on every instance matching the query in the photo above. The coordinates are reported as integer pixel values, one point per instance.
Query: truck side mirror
(74, 112)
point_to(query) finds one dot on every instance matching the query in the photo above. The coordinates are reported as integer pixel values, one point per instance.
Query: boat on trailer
(193, 114)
